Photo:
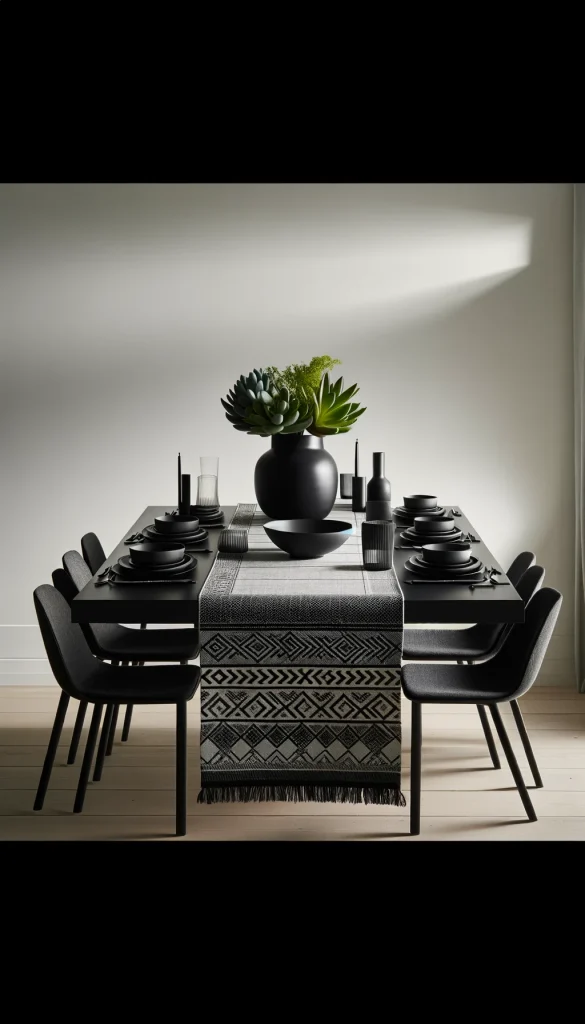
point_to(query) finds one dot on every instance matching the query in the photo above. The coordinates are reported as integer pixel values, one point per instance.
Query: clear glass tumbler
(207, 494)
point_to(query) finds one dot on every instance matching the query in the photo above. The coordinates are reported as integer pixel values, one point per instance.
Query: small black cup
(234, 541)
(345, 485)
(377, 544)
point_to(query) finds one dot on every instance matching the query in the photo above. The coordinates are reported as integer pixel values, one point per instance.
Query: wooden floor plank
(463, 796)
(293, 828)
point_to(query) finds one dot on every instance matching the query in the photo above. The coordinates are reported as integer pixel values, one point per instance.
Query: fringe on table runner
(300, 793)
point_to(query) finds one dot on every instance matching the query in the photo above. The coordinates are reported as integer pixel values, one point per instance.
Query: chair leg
(504, 740)
(88, 758)
(77, 732)
(51, 751)
(181, 781)
(415, 767)
(526, 743)
(488, 736)
(127, 720)
(99, 761)
(113, 725)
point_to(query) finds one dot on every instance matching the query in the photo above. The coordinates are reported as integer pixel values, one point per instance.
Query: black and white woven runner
(300, 674)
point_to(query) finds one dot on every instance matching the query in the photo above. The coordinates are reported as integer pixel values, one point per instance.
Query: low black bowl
(433, 524)
(154, 552)
(176, 524)
(308, 538)
(453, 553)
(419, 502)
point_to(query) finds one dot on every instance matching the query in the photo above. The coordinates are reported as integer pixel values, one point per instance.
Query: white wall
(126, 311)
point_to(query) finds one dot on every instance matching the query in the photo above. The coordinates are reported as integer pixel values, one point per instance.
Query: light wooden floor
(463, 797)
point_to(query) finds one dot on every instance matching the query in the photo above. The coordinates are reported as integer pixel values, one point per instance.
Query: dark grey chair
(122, 645)
(505, 677)
(82, 676)
(93, 552)
(477, 643)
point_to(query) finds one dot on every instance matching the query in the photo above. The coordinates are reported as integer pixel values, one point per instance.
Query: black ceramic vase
(296, 478)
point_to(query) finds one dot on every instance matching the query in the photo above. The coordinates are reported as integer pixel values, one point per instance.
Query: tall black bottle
(378, 493)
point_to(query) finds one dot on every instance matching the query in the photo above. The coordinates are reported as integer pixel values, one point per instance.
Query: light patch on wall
(155, 286)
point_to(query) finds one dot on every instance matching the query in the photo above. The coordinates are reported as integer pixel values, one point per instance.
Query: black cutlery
(454, 512)
(104, 572)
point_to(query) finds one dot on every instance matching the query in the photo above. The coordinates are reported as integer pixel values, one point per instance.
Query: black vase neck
(379, 464)
(288, 442)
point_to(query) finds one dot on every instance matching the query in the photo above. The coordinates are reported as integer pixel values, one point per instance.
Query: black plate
(440, 572)
(186, 539)
(472, 565)
(411, 513)
(146, 572)
(413, 537)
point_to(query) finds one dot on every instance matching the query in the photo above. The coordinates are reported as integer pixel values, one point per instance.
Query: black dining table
(179, 602)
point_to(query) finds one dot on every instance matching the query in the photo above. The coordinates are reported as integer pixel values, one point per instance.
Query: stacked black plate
(446, 561)
(186, 530)
(208, 515)
(416, 505)
(150, 560)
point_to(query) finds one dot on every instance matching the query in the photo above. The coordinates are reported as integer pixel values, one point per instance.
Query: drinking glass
(377, 544)
(207, 482)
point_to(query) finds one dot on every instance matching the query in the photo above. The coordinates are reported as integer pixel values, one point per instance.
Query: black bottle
(378, 493)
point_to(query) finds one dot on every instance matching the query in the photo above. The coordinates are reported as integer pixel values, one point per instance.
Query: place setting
(151, 562)
(451, 562)
(417, 505)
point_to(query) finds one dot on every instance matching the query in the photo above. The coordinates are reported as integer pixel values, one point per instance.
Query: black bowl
(433, 524)
(308, 538)
(420, 501)
(454, 553)
(154, 552)
(176, 524)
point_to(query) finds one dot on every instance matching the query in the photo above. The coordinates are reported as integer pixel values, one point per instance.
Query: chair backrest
(70, 658)
(93, 552)
(525, 646)
(530, 582)
(64, 584)
(521, 563)
(490, 638)
(78, 570)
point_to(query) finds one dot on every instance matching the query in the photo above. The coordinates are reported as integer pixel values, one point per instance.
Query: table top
(179, 603)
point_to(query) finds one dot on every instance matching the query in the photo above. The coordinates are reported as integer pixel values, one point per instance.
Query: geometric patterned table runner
(300, 674)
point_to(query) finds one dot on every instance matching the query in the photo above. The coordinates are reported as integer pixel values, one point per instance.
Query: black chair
(112, 642)
(476, 643)
(93, 552)
(505, 677)
(82, 676)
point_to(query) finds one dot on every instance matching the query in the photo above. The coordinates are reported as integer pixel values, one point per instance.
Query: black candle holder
(358, 494)
(185, 504)
(377, 544)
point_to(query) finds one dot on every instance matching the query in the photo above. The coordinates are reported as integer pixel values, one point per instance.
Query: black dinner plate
(412, 536)
(412, 513)
(473, 565)
(183, 538)
(125, 567)
(440, 572)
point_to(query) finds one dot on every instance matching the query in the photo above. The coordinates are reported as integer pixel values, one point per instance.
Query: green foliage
(255, 405)
(303, 379)
(300, 397)
(333, 410)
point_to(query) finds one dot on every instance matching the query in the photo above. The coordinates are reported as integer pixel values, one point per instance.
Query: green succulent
(333, 410)
(255, 405)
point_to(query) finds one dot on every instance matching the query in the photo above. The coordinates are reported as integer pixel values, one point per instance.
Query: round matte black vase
(296, 478)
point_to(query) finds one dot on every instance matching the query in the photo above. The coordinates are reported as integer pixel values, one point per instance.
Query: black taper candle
(185, 506)
(357, 459)
(179, 483)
